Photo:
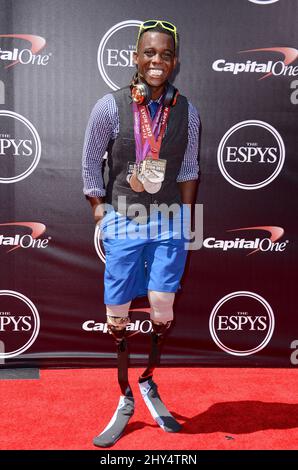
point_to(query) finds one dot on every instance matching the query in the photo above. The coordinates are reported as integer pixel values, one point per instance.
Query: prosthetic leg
(148, 387)
(125, 408)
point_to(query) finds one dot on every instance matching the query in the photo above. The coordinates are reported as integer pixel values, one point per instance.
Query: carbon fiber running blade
(158, 410)
(114, 430)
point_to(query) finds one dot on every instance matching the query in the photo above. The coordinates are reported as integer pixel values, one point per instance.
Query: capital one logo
(13, 241)
(20, 147)
(138, 326)
(241, 323)
(19, 323)
(252, 244)
(24, 56)
(251, 154)
(115, 53)
(263, 2)
(266, 67)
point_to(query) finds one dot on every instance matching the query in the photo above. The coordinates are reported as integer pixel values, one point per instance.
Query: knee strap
(160, 329)
(117, 327)
(117, 320)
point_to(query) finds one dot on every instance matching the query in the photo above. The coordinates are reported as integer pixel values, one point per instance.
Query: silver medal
(151, 187)
(154, 170)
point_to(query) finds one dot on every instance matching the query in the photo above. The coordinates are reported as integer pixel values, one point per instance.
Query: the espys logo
(24, 56)
(251, 154)
(19, 323)
(115, 53)
(276, 68)
(258, 244)
(263, 2)
(242, 323)
(138, 326)
(20, 147)
(12, 241)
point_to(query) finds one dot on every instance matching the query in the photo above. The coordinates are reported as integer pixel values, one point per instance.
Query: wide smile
(155, 73)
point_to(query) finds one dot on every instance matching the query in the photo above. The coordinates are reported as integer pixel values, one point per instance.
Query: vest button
(155, 202)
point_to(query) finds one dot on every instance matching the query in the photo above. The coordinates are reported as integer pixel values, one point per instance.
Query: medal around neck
(150, 187)
(132, 177)
(152, 174)
(154, 170)
(135, 183)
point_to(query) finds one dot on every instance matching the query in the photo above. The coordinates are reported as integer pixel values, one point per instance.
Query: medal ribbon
(147, 135)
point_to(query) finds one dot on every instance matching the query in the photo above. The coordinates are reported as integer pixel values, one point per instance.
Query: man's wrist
(97, 206)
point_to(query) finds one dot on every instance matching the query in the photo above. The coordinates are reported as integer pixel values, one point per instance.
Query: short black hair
(159, 29)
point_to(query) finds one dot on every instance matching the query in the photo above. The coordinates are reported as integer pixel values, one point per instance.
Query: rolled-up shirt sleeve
(98, 133)
(189, 169)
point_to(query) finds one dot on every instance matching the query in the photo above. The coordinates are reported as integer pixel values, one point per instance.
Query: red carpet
(219, 409)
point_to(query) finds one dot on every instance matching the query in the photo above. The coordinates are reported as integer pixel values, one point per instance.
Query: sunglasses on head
(153, 23)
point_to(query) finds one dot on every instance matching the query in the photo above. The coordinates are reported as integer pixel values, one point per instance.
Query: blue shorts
(143, 256)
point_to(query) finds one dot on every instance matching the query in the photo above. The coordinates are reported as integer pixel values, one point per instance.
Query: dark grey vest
(122, 150)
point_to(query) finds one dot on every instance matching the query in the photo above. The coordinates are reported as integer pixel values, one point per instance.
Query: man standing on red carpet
(151, 134)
